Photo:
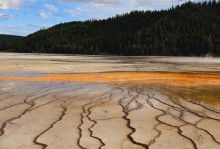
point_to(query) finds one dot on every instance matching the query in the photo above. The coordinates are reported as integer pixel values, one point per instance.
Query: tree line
(190, 29)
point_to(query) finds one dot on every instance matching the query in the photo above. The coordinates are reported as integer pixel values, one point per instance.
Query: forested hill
(8, 38)
(186, 30)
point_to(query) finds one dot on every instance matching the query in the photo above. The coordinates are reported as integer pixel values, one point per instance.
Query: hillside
(186, 30)
(8, 38)
(5, 39)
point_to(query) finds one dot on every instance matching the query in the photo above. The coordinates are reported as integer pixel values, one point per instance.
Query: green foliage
(189, 29)
(8, 38)
(5, 41)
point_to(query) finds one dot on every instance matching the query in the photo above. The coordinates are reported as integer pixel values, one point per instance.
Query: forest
(190, 29)
(5, 39)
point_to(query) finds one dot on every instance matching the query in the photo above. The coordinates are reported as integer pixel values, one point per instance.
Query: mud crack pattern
(132, 115)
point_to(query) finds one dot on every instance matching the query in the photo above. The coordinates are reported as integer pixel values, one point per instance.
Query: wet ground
(109, 102)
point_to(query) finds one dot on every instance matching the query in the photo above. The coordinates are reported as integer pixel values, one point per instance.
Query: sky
(23, 17)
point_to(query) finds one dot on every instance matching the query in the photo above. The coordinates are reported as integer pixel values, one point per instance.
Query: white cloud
(51, 7)
(10, 4)
(43, 14)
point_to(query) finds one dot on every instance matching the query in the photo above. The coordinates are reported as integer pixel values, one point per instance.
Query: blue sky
(22, 17)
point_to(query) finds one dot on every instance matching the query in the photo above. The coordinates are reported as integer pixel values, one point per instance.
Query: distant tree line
(190, 29)
(5, 39)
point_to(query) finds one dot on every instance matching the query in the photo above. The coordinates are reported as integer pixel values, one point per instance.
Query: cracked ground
(86, 102)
